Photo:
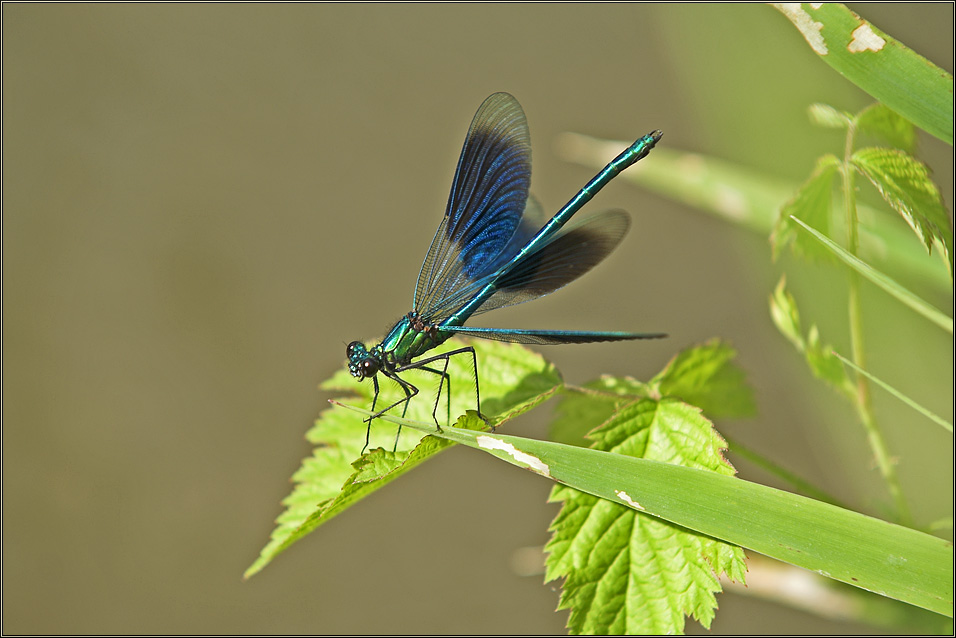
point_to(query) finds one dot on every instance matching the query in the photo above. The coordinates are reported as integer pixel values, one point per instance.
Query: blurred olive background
(202, 204)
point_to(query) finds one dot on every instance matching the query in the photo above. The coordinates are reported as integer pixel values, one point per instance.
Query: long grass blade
(899, 395)
(892, 560)
(883, 281)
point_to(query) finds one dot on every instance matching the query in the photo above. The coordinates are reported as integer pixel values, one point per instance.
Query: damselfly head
(361, 363)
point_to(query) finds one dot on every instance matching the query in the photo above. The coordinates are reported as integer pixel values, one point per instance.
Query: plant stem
(864, 405)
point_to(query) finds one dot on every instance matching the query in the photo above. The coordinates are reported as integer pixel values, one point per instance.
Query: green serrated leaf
(336, 476)
(819, 356)
(826, 116)
(882, 121)
(628, 573)
(905, 184)
(667, 430)
(604, 591)
(583, 409)
(706, 376)
(783, 311)
(885, 68)
(703, 375)
(813, 204)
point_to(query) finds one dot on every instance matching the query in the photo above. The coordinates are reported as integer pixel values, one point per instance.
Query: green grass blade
(883, 281)
(859, 550)
(899, 395)
(885, 68)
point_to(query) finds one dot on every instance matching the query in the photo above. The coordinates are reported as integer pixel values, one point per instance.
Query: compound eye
(369, 367)
(355, 346)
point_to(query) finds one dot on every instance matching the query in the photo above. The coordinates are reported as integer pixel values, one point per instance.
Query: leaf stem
(864, 404)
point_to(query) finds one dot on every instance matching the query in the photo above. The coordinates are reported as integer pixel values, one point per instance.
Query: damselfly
(494, 248)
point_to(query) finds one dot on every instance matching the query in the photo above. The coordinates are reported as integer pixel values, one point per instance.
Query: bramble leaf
(705, 376)
(905, 184)
(813, 204)
(882, 121)
(337, 476)
(627, 572)
(825, 116)
(783, 310)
